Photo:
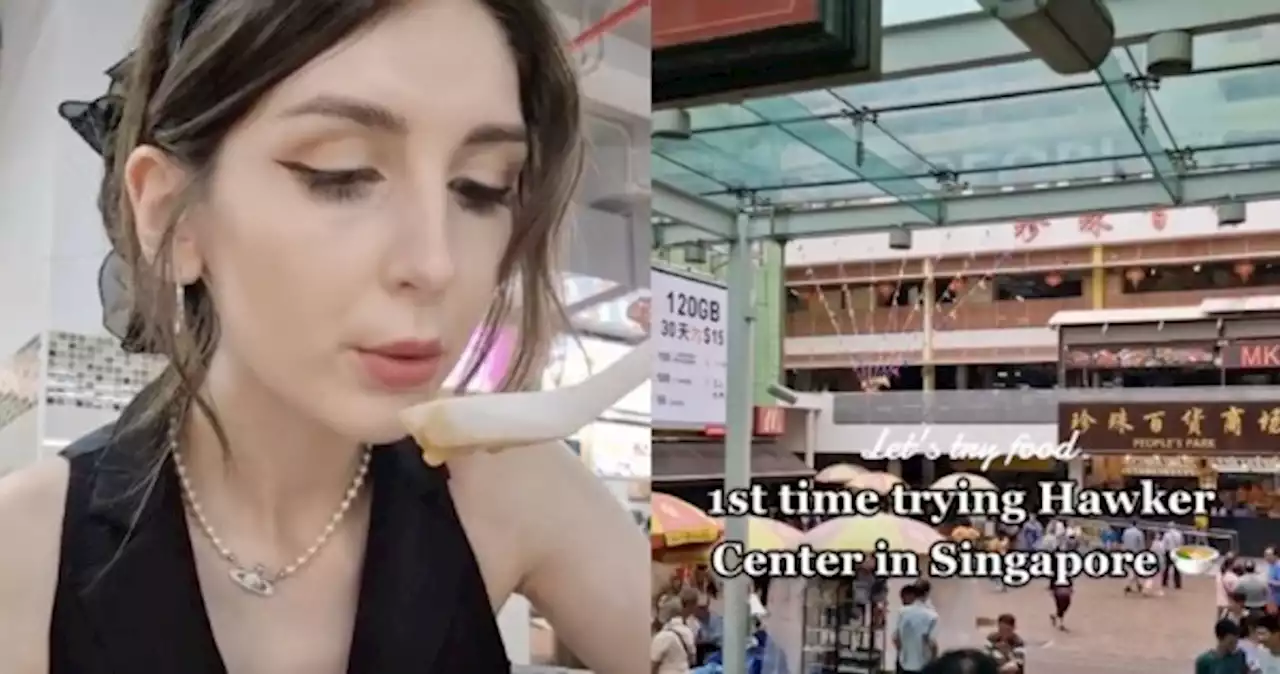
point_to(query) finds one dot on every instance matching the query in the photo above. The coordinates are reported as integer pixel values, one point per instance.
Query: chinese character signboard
(689, 328)
(1173, 427)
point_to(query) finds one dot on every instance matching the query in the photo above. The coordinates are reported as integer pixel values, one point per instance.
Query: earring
(179, 308)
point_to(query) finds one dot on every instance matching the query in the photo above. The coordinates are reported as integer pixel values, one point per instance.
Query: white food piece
(447, 427)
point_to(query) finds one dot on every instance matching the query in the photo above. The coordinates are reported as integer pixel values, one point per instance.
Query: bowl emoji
(1195, 560)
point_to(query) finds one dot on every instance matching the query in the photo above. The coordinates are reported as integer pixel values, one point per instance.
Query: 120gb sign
(692, 306)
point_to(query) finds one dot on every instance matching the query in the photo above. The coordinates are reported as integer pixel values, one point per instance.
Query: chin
(368, 421)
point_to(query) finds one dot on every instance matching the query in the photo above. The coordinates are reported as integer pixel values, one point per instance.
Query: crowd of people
(688, 627)
(1248, 627)
(688, 622)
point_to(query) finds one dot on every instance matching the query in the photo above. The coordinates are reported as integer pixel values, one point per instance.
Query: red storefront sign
(1251, 355)
(683, 22)
(712, 50)
(765, 421)
(771, 421)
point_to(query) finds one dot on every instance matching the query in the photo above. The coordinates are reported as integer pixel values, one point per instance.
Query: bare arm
(31, 507)
(590, 573)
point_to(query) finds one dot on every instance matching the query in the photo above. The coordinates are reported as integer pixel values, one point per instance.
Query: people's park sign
(1248, 428)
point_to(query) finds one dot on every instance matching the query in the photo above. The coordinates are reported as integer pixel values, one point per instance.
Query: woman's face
(354, 225)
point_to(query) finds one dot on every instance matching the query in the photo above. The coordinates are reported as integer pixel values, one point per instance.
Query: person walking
(1225, 581)
(1171, 541)
(672, 649)
(914, 635)
(1225, 657)
(1133, 540)
(1254, 588)
(1062, 595)
(1273, 577)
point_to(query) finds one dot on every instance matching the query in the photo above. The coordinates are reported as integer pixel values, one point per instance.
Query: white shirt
(1172, 540)
(1250, 651)
(1266, 661)
(672, 648)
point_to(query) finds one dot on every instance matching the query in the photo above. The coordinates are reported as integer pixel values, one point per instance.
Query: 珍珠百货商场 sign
(1172, 427)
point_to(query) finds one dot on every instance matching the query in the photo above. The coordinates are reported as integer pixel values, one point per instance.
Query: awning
(704, 462)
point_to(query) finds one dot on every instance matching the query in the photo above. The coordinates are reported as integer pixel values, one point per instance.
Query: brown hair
(184, 96)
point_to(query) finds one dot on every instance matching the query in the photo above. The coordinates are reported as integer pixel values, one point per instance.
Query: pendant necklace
(257, 579)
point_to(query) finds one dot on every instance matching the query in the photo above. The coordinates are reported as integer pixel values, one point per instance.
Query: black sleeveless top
(128, 599)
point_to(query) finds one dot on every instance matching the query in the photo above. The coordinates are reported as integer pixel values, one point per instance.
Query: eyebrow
(378, 118)
(363, 113)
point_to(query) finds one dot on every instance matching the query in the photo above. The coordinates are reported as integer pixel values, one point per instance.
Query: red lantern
(1134, 276)
(1053, 279)
(1244, 270)
(885, 290)
(1159, 219)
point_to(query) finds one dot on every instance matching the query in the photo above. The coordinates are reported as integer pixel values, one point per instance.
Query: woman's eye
(479, 197)
(335, 185)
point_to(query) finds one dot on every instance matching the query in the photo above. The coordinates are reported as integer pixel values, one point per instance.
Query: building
(1155, 336)
(971, 307)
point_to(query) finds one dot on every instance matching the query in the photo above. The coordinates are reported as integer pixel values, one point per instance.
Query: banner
(1251, 428)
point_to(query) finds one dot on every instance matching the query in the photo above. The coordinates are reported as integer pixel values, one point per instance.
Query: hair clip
(115, 291)
(94, 121)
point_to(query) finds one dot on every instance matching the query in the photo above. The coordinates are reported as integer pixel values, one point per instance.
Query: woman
(1225, 583)
(1062, 595)
(320, 202)
(671, 650)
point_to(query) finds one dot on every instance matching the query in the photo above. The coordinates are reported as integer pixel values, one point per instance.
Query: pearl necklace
(256, 579)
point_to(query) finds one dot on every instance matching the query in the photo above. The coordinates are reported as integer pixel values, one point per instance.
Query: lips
(401, 366)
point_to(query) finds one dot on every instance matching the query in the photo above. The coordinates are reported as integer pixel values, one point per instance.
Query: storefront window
(1018, 287)
(1263, 273)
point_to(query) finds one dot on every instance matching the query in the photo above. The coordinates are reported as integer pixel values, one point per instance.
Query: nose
(421, 256)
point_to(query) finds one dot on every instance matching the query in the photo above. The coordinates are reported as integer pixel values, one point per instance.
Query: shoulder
(526, 485)
(536, 501)
(31, 508)
(665, 638)
(32, 501)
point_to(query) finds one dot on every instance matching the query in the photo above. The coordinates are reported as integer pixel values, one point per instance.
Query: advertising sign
(1173, 427)
(1252, 355)
(711, 48)
(689, 329)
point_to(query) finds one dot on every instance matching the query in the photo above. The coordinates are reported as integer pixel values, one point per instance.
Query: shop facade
(1231, 446)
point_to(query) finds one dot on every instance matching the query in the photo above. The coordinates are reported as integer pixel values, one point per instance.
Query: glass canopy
(991, 129)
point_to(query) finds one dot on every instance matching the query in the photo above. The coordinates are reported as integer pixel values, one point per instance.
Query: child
(1006, 647)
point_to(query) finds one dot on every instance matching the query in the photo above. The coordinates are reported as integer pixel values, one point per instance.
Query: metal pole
(737, 437)
(929, 370)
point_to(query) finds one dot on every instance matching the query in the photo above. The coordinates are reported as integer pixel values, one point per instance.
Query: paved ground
(1109, 632)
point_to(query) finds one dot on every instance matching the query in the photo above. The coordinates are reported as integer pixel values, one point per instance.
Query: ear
(155, 184)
